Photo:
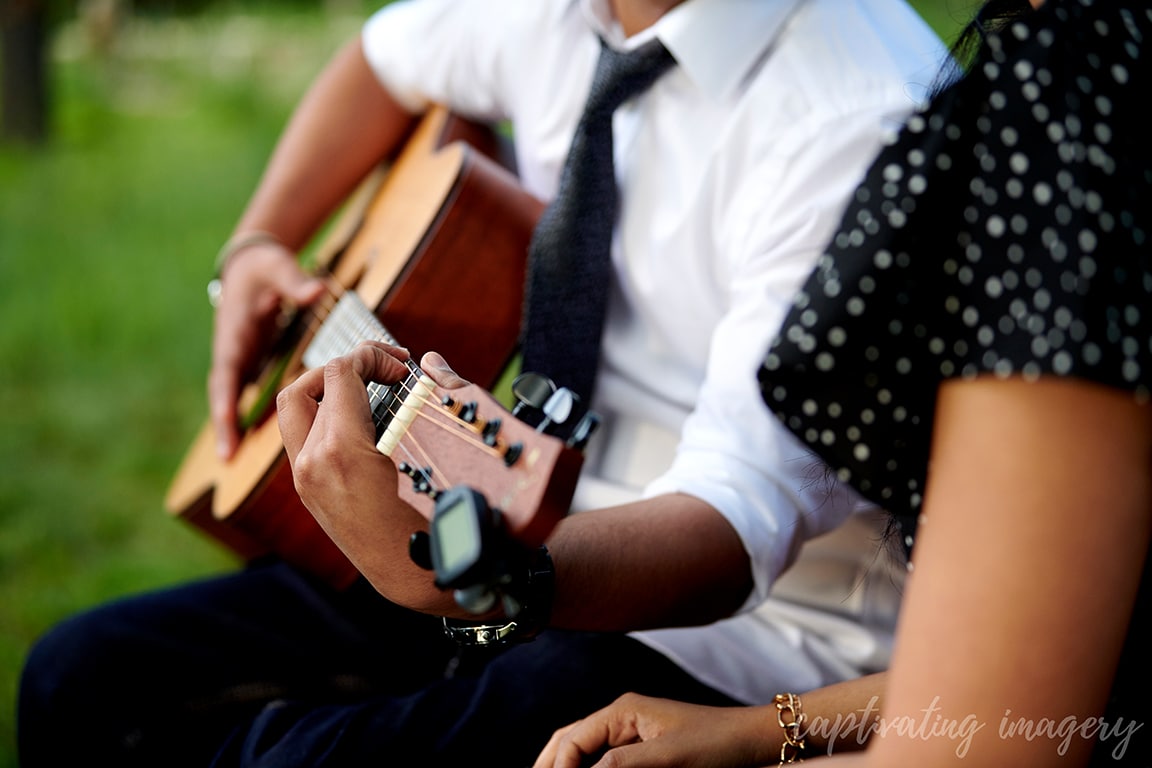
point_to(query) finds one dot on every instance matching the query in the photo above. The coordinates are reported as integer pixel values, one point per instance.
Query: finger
(222, 411)
(434, 364)
(590, 736)
(291, 282)
(228, 342)
(296, 409)
(345, 395)
(341, 384)
(605, 729)
(548, 756)
(348, 418)
(642, 754)
(379, 367)
(258, 282)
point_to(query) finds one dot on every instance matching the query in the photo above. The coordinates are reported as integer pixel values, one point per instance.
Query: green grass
(107, 235)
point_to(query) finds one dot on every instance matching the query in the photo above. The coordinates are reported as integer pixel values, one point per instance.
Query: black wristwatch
(472, 554)
(529, 595)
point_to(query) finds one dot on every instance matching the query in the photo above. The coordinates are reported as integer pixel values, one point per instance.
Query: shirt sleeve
(734, 453)
(404, 43)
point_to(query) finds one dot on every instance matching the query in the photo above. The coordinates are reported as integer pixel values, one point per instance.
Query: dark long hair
(969, 44)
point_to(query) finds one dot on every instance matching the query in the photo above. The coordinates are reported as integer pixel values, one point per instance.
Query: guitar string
(312, 316)
(428, 409)
(413, 450)
(470, 428)
(322, 309)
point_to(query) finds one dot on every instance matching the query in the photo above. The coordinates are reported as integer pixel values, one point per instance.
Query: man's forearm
(344, 127)
(663, 562)
(667, 561)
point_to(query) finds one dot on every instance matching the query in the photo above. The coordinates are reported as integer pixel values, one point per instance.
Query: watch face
(456, 540)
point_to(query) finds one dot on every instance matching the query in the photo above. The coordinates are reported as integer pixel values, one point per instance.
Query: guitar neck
(349, 323)
(458, 437)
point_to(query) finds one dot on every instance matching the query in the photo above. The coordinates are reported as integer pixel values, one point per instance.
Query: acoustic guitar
(430, 251)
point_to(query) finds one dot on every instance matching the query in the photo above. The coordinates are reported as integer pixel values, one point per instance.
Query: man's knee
(75, 658)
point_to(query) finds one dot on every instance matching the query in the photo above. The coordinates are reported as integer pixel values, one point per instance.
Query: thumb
(434, 364)
(294, 284)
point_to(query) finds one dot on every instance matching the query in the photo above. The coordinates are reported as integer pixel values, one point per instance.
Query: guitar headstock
(441, 438)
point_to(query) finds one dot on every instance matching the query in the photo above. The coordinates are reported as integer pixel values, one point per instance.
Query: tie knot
(622, 75)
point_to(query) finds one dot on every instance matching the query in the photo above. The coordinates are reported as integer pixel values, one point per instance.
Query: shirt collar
(716, 42)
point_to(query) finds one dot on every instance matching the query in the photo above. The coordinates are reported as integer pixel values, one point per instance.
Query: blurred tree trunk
(23, 75)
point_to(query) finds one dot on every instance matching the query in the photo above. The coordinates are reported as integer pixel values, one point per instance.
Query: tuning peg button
(491, 431)
(420, 549)
(421, 478)
(560, 406)
(583, 430)
(477, 599)
(531, 391)
(512, 453)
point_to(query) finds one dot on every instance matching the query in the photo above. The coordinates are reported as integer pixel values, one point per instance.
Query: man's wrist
(533, 590)
(228, 251)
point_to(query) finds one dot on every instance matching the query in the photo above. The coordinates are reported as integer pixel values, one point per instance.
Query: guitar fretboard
(349, 323)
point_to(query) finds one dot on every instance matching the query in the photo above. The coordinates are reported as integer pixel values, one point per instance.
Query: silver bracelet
(230, 249)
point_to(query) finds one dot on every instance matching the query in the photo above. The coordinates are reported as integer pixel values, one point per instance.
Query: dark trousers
(267, 668)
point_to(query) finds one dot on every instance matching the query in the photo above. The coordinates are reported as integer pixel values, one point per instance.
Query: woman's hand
(645, 732)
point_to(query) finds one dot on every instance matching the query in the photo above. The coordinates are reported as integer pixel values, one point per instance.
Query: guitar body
(436, 248)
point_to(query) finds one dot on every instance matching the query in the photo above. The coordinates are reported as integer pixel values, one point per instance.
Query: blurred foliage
(63, 10)
(107, 236)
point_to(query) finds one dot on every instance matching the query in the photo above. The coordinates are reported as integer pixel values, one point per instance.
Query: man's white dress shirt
(734, 169)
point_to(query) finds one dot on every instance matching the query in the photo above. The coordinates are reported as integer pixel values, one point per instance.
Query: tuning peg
(420, 549)
(491, 431)
(510, 604)
(476, 599)
(583, 430)
(559, 408)
(531, 390)
(421, 478)
(512, 453)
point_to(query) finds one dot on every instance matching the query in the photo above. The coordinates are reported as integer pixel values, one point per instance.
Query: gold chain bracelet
(791, 719)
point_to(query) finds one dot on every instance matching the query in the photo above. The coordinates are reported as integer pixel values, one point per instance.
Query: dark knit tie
(568, 266)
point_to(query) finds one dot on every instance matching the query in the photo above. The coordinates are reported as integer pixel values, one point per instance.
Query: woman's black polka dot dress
(1008, 232)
